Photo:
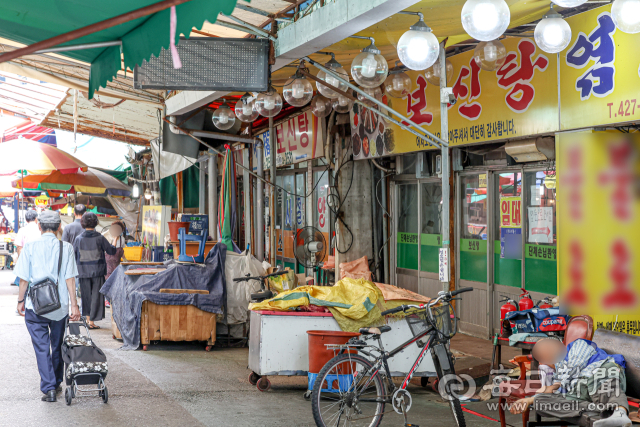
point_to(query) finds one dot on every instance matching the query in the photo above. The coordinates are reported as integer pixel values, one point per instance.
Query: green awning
(31, 21)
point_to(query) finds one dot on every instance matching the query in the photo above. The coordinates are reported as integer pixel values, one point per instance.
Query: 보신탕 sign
(299, 139)
(599, 73)
(518, 99)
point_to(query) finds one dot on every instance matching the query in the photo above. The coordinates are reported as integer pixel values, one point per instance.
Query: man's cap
(49, 217)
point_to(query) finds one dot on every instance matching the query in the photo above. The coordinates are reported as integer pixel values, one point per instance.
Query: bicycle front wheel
(348, 392)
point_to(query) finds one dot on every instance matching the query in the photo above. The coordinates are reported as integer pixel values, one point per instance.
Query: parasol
(93, 181)
(36, 158)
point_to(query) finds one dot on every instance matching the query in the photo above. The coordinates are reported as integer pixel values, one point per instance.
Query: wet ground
(172, 384)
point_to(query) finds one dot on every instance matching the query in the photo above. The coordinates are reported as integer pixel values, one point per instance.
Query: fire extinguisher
(544, 303)
(509, 306)
(525, 302)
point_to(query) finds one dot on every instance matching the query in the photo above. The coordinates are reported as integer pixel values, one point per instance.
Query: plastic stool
(201, 239)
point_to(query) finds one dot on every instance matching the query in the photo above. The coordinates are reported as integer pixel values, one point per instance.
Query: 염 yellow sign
(599, 73)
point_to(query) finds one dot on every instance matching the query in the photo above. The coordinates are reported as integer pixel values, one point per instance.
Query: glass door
(407, 248)
(430, 206)
(472, 206)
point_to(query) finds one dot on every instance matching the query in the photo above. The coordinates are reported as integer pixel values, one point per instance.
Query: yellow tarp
(355, 303)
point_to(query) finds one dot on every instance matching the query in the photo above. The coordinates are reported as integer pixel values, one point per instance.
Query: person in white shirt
(26, 234)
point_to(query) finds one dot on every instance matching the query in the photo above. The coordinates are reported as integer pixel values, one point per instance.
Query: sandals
(94, 327)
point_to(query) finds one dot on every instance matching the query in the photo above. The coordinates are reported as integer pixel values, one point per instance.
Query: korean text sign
(599, 227)
(599, 73)
(298, 139)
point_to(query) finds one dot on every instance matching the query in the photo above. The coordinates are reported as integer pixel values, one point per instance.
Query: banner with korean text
(517, 100)
(299, 139)
(599, 73)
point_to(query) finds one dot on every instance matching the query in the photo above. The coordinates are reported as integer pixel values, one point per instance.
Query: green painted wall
(407, 250)
(506, 272)
(541, 273)
(430, 245)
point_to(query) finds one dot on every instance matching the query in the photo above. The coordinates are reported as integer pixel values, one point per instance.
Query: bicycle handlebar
(246, 278)
(441, 296)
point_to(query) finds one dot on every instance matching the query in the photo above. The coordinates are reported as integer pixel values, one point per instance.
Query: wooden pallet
(174, 322)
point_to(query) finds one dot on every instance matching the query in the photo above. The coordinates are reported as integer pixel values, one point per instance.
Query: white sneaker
(619, 418)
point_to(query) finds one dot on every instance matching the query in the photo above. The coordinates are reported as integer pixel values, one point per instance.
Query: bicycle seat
(375, 331)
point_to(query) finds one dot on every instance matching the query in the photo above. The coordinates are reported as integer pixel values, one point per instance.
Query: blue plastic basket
(342, 381)
(159, 255)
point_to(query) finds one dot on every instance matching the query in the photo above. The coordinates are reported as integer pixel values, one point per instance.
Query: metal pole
(213, 196)
(246, 185)
(202, 186)
(385, 233)
(374, 222)
(273, 144)
(81, 46)
(390, 110)
(259, 249)
(444, 133)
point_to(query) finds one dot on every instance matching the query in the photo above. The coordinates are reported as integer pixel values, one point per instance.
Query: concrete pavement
(172, 384)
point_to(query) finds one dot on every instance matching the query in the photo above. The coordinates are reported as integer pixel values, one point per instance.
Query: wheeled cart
(278, 345)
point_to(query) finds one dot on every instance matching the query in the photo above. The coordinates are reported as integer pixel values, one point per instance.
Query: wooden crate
(175, 322)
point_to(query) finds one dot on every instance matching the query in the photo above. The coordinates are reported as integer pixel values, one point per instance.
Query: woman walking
(90, 248)
(116, 232)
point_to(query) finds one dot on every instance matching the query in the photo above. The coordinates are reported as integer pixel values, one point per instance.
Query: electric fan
(310, 247)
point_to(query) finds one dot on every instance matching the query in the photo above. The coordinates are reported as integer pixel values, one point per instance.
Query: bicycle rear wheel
(348, 392)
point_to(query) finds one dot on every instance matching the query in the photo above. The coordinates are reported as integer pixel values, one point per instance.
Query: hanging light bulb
(398, 84)
(369, 68)
(626, 15)
(418, 48)
(321, 106)
(245, 108)
(223, 118)
(375, 92)
(298, 92)
(490, 55)
(485, 19)
(342, 104)
(433, 73)
(147, 194)
(334, 66)
(269, 103)
(135, 191)
(552, 34)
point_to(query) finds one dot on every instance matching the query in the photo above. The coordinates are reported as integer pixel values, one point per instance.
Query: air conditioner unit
(532, 150)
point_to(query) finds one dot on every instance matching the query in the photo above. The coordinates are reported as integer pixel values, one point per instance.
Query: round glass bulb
(320, 106)
(246, 110)
(375, 92)
(298, 92)
(223, 118)
(569, 3)
(433, 73)
(552, 34)
(490, 55)
(485, 20)
(269, 104)
(369, 69)
(398, 85)
(342, 104)
(338, 69)
(418, 49)
(626, 15)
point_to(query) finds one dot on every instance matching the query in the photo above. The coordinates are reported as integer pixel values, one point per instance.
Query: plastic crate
(133, 253)
(159, 255)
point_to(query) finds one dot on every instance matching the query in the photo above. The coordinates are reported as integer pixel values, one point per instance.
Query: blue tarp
(126, 293)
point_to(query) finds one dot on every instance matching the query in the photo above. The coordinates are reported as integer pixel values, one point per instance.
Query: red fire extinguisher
(506, 308)
(525, 302)
(544, 303)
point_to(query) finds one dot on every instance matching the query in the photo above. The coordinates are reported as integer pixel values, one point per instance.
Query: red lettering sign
(414, 110)
(468, 109)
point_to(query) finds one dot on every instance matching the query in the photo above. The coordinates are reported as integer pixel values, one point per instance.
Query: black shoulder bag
(44, 294)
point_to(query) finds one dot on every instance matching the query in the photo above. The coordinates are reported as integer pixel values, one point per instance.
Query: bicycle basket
(418, 323)
(444, 319)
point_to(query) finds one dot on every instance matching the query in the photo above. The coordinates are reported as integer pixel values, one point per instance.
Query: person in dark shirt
(74, 229)
(90, 248)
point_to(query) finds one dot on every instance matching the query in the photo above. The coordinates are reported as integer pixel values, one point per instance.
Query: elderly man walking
(39, 260)
(74, 229)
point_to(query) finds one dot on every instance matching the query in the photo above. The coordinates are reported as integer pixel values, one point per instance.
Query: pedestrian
(74, 229)
(26, 234)
(113, 261)
(90, 248)
(39, 260)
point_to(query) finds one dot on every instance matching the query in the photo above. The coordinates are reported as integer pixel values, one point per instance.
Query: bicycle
(359, 378)
(265, 293)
